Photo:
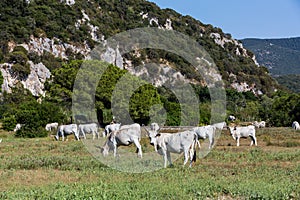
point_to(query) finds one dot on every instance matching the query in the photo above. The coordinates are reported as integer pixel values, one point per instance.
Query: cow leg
(115, 151)
(186, 157)
(211, 141)
(191, 156)
(238, 141)
(77, 135)
(168, 154)
(83, 134)
(165, 158)
(139, 147)
(251, 140)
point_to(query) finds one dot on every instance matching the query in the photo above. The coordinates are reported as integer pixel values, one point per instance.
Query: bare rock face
(54, 46)
(113, 56)
(39, 73)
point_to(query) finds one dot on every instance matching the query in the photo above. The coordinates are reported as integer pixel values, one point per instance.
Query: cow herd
(164, 144)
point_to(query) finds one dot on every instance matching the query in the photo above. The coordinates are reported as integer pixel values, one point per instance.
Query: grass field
(46, 169)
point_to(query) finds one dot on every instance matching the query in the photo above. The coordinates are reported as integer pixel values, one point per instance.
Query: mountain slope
(280, 56)
(52, 32)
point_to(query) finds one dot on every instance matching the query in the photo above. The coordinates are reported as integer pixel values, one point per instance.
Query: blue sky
(243, 18)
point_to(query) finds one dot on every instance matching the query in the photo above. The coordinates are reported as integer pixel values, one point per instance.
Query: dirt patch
(31, 178)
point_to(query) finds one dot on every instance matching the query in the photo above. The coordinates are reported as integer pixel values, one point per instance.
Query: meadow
(42, 168)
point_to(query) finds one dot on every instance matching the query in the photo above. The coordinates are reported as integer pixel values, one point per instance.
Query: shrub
(19, 57)
(28, 132)
(9, 123)
(21, 70)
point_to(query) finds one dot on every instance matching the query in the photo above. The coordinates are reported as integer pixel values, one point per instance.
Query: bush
(21, 70)
(9, 123)
(17, 57)
(27, 132)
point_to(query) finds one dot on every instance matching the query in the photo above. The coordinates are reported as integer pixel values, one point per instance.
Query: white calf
(125, 136)
(204, 132)
(261, 124)
(243, 132)
(208, 131)
(64, 130)
(296, 125)
(51, 126)
(88, 128)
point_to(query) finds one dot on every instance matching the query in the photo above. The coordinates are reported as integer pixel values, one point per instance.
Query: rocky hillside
(280, 56)
(37, 36)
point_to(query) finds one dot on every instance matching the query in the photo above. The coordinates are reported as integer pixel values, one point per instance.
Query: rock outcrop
(34, 82)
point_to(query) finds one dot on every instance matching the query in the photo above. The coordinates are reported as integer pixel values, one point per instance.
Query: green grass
(46, 169)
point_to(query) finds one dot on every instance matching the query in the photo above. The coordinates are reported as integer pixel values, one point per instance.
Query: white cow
(110, 128)
(88, 128)
(220, 125)
(51, 126)
(208, 131)
(243, 132)
(261, 124)
(295, 125)
(18, 127)
(204, 132)
(167, 143)
(64, 130)
(125, 136)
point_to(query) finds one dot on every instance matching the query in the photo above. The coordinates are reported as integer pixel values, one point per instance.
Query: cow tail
(194, 156)
(194, 146)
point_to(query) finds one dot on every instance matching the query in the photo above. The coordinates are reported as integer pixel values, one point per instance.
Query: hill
(53, 32)
(43, 44)
(280, 56)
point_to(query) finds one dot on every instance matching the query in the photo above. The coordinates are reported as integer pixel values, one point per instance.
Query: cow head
(110, 144)
(152, 134)
(153, 140)
(154, 127)
(232, 131)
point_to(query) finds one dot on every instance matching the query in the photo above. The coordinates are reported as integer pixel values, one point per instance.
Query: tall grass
(46, 169)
